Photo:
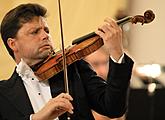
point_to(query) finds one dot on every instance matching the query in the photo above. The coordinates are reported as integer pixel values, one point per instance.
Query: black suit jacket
(87, 89)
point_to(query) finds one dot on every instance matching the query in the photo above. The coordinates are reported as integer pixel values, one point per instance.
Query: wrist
(117, 55)
(34, 117)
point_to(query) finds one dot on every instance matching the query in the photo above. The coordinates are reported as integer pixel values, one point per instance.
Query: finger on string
(100, 33)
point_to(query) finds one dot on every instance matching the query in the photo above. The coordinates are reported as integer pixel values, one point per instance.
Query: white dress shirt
(38, 91)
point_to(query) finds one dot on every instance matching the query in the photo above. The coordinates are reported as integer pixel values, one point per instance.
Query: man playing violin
(23, 96)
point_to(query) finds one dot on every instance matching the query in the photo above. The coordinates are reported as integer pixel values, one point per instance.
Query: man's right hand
(55, 107)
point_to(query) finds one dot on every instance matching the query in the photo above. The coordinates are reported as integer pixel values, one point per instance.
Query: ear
(12, 44)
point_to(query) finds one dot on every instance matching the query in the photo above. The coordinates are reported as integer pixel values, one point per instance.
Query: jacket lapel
(15, 92)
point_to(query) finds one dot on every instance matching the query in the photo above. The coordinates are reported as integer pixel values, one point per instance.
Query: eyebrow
(34, 28)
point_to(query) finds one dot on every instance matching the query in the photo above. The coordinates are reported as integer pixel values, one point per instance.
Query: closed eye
(46, 29)
(35, 31)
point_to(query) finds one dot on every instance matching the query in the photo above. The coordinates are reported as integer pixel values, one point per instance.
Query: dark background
(143, 106)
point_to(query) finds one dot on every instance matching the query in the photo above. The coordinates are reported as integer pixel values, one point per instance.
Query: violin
(81, 47)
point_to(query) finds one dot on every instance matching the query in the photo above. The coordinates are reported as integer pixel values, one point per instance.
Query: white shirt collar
(24, 70)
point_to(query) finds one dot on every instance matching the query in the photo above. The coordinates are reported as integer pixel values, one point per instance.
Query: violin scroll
(148, 17)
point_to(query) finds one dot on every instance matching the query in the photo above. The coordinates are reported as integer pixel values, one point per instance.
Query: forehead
(35, 22)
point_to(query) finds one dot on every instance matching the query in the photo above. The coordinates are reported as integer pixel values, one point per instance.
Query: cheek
(26, 49)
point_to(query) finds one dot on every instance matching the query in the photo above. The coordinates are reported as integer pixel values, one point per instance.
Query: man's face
(33, 42)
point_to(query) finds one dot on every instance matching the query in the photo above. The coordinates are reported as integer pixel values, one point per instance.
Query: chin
(44, 54)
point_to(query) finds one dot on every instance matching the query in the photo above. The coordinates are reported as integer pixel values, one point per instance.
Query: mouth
(45, 47)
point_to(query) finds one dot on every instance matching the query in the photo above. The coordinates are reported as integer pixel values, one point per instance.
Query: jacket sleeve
(108, 98)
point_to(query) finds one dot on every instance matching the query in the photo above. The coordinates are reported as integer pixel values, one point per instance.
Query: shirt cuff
(120, 59)
(31, 116)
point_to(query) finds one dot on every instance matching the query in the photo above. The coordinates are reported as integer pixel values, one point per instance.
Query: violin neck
(85, 37)
(93, 34)
(124, 20)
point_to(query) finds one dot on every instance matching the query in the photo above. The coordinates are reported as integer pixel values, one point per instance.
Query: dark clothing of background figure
(88, 92)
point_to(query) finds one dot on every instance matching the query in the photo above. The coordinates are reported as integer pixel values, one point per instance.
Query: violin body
(54, 63)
